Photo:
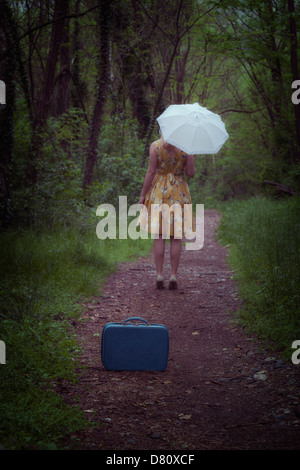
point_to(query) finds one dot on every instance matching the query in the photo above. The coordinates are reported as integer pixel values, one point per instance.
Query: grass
(45, 277)
(264, 239)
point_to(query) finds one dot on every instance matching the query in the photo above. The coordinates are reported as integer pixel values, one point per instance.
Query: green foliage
(56, 198)
(292, 178)
(118, 170)
(45, 277)
(237, 57)
(265, 252)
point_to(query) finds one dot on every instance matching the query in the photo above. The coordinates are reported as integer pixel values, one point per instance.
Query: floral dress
(169, 188)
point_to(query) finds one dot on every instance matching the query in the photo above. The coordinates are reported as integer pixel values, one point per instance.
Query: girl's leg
(175, 253)
(159, 252)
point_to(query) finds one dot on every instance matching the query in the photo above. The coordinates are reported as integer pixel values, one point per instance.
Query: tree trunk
(282, 187)
(139, 102)
(104, 21)
(7, 75)
(63, 81)
(61, 9)
(295, 73)
(180, 73)
(64, 75)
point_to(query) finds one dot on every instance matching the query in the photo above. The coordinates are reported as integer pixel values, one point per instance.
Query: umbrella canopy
(192, 128)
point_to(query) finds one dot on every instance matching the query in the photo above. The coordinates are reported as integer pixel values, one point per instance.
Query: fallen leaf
(183, 416)
(195, 333)
(260, 376)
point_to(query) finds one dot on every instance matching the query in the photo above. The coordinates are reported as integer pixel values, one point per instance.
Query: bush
(45, 277)
(56, 198)
(118, 170)
(264, 238)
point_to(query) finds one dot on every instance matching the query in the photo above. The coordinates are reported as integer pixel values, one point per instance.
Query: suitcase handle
(136, 319)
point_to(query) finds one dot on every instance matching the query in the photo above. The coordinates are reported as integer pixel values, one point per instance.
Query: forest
(85, 81)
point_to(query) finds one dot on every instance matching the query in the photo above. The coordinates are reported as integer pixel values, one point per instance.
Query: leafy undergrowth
(45, 277)
(264, 239)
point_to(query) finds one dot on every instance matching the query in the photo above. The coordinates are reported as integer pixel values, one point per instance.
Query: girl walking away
(165, 183)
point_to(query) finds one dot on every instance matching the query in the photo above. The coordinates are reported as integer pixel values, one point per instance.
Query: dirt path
(208, 398)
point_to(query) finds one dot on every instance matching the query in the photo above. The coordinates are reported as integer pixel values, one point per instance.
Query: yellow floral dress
(169, 188)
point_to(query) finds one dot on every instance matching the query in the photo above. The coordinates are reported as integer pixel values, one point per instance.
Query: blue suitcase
(135, 344)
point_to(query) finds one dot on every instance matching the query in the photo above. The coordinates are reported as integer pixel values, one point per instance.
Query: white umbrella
(192, 128)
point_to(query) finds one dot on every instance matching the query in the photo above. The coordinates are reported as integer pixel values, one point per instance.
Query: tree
(295, 72)
(45, 98)
(64, 76)
(7, 75)
(11, 65)
(260, 33)
(104, 24)
(61, 9)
